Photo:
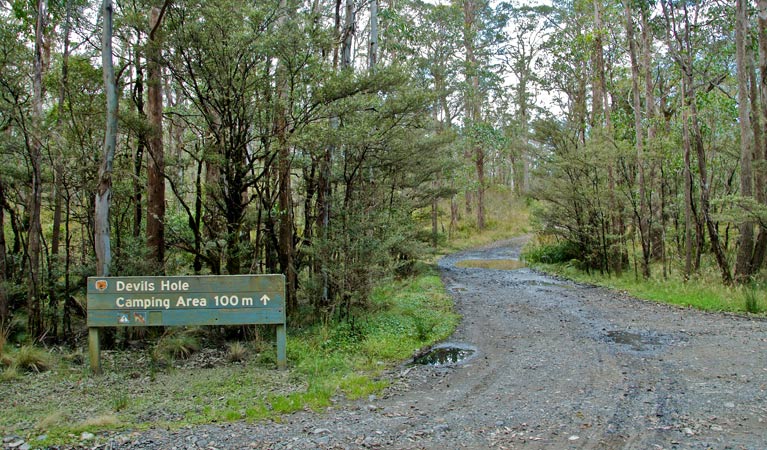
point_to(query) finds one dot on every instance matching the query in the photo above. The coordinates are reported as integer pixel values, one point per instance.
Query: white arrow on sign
(265, 299)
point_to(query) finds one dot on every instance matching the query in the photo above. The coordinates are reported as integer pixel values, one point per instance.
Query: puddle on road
(497, 264)
(444, 355)
(637, 341)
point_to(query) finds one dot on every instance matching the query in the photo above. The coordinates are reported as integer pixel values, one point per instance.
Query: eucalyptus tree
(155, 218)
(15, 64)
(684, 35)
(104, 190)
(743, 61)
(521, 55)
(482, 35)
(760, 138)
(439, 35)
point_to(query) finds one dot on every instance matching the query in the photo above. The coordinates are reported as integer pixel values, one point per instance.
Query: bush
(237, 352)
(176, 346)
(5, 331)
(751, 297)
(556, 253)
(32, 359)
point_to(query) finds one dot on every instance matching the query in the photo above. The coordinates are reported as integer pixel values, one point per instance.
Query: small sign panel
(188, 300)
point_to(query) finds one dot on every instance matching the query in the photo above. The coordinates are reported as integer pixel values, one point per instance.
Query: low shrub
(176, 346)
(751, 297)
(236, 352)
(556, 253)
(32, 359)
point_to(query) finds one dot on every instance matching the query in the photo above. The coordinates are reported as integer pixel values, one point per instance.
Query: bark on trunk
(34, 309)
(3, 267)
(746, 226)
(58, 164)
(155, 220)
(760, 152)
(472, 106)
(104, 188)
(642, 213)
(138, 157)
(373, 50)
(286, 247)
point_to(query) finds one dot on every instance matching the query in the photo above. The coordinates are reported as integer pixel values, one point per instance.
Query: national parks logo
(101, 285)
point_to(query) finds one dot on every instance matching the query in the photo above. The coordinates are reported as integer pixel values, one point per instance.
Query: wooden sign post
(185, 300)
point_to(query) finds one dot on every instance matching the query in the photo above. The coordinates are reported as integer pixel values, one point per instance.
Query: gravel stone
(560, 357)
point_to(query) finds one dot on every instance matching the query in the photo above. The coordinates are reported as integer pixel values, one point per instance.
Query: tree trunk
(644, 225)
(760, 152)
(138, 157)
(155, 219)
(104, 188)
(746, 226)
(688, 213)
(601, 119)
(3, 266)
(34, 310)
(286, 247)
(705, 193)
(473, 106)
(656, 210)
(453, 217)
(58, 164)
(373, 50)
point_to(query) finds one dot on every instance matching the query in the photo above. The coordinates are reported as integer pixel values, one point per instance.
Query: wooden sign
(186, 300)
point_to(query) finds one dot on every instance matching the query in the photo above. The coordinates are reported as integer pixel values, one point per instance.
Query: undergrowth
(327, 362)
(507, 216)
(703, 291)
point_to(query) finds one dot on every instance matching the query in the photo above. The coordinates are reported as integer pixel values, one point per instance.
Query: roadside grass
(327, 363)
(704, 291)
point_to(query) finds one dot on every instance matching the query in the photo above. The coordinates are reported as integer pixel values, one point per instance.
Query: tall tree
(760, 154)
(4, 309)
(683, 53)
(746, 227)
(34, 146)
(155, 220)
(473, 99)
(642, 212)
(286, 248)
(104, 188)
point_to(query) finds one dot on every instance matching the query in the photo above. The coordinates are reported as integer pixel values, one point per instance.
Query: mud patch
(444, 355)
(638, 341)
(496, 264)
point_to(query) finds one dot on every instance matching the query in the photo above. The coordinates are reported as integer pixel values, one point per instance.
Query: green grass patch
(703, 292)
(182, 382)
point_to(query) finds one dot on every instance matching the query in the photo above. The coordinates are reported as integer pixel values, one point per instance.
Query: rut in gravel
(553, 364)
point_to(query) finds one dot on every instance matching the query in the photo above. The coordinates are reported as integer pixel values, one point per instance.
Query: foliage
(751, 296)
(32, 359)
(237, 352)
(551, 253)
(704, 293)
(326, 361)
(5, 331)
(176, 345)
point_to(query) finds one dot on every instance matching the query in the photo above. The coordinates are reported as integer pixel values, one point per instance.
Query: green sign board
(186, 300)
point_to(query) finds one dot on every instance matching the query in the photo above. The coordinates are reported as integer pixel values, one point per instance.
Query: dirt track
(557, 365)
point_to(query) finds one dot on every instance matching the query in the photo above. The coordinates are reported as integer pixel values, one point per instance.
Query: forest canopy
(334, 141)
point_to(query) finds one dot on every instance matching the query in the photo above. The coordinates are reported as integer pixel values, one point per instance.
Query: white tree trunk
(104, 189)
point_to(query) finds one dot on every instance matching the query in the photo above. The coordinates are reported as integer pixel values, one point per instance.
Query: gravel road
(556, 365)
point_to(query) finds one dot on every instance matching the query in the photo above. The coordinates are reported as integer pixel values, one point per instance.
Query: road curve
(557, 365)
